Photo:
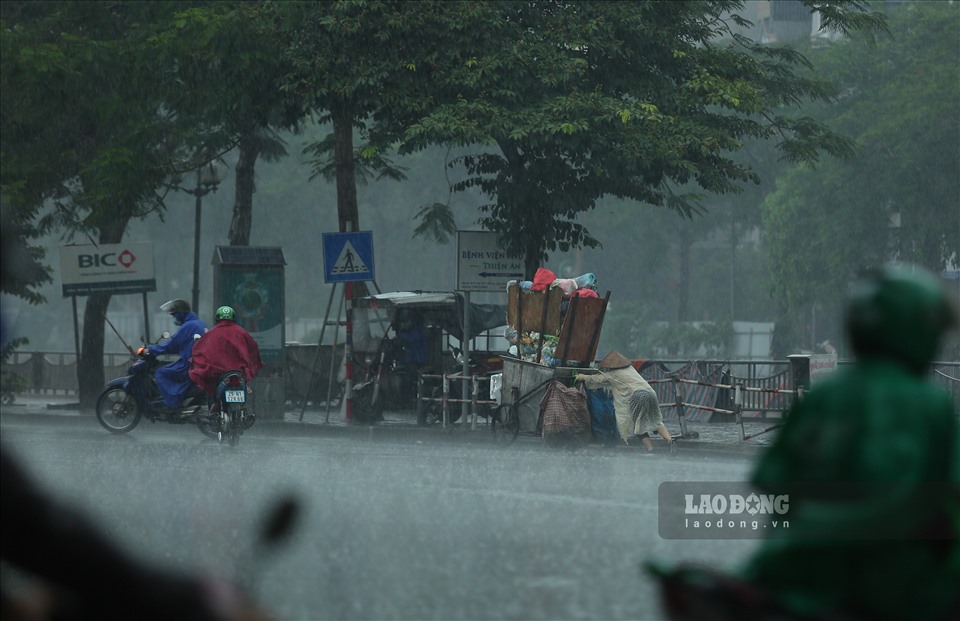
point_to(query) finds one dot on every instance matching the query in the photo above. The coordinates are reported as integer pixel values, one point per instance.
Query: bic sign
(107, 259)
(116, 268)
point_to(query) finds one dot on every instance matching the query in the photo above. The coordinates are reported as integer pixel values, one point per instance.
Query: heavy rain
(391, 529)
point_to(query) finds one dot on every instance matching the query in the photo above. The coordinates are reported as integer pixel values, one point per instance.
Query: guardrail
(444, 394)
(305, 372)
(691, 390)
(735, 390)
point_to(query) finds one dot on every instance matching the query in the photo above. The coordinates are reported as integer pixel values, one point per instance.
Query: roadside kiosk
(251, 280)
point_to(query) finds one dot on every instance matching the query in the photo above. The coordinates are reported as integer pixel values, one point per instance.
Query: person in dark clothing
(99, 580)
(173, 379)
(413, 340)
(410, 332)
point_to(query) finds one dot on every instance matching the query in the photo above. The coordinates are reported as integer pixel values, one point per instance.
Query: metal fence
(715, 390)
(735, 391)
(305, 372)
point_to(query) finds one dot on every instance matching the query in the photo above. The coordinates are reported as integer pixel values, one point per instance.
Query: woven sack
(565, 416)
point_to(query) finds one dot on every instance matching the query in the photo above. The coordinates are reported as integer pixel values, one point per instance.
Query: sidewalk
(704, 439)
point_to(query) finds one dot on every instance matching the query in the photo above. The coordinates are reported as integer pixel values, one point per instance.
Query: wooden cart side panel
(530, 310)
(581, 330)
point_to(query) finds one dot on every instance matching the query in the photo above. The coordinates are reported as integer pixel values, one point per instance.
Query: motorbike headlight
(368, 360)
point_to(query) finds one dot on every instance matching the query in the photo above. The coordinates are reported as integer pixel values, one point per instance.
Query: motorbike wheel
(505, 424)
(364, 411)
(209, 426)
(117, 411)
(236, 425)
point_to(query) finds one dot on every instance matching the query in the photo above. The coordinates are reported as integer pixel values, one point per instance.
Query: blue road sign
(348, 257)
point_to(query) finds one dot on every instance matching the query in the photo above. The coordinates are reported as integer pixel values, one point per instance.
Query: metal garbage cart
(535, 317)
(522, 389)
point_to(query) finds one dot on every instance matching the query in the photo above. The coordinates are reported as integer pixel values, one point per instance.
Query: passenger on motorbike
(173, 379)
(225, 347)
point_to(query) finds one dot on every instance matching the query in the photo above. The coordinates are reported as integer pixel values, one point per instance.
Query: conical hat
(614, 360)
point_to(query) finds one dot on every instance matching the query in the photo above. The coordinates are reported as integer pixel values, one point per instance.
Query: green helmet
(225, 312)
(899, 313)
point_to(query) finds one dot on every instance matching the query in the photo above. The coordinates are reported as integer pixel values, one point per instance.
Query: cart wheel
(505, 424)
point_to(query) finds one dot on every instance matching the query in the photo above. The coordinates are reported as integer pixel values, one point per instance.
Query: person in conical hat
(614, 360)
(634, 400)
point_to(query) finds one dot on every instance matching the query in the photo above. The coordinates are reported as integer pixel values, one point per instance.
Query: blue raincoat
(173, 379)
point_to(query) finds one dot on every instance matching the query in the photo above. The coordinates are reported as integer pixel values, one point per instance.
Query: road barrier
(692, 390)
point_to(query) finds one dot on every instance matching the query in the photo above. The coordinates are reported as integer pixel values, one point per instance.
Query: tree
(224, 62)
(85, 168)
(576, 101)
(897, 199)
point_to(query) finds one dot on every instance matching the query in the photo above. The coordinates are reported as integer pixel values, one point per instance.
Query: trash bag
(566, 419)
(603, 420)
(543, 279)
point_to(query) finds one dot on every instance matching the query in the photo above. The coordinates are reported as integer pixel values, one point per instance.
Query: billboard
(107, 268)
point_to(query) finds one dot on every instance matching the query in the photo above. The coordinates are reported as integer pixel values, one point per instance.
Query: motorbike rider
(869, 461)
(888, 547)
(173, 379)
(225, 347)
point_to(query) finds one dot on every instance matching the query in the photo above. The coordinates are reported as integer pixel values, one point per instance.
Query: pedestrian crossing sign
(348, 257)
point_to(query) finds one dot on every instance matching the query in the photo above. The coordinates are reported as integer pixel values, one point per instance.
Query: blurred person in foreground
(173, 379)
(225, 347)
(82, 573)
(870, 459)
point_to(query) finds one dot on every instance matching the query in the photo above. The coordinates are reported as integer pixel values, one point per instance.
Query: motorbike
(231, 416)
(125, 400)
(379, 379)
(695, 593)
(230, 597)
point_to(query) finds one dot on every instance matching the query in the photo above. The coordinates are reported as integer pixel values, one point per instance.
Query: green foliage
(901, 103)
(370, 162)
(637, 331)
(579, 101)
(436, 223)
(86, 141)
(103, 155)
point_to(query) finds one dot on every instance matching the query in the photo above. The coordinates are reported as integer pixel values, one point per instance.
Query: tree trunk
(683, 291)
(348, 216)
(243, 202)
(90, 375)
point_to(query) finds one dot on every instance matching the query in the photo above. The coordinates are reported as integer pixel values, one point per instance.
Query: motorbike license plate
(235, 396)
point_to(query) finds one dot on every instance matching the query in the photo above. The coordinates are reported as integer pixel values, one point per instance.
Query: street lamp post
(208, 178)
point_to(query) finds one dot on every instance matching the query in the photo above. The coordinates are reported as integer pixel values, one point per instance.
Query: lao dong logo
(702, 510)
(736, 504)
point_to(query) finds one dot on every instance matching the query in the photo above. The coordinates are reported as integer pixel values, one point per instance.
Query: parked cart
(575, 323)
(523, 386)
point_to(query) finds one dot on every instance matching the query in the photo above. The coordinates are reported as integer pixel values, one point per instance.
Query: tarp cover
(444, 307)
